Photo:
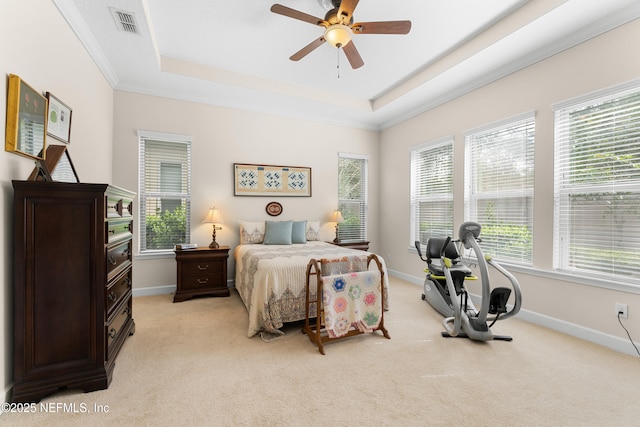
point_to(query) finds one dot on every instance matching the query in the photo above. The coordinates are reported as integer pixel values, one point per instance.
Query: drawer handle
(113, 260)
(201, 268)
(113, 333)
(127, 281)
(125, 252)
(113, 207)
(203, 281)
(112, 231)
(113, 296)
(126, 311)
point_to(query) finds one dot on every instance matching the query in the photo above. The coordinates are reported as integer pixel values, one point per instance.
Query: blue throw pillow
(277, 232)
(299, 232)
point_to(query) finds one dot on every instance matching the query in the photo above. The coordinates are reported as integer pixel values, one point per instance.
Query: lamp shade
(336, 216)
(338, 35)
(214, 217)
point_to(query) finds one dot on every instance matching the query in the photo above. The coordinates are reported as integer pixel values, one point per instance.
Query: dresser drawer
(204, 266)
(118, 230)
(194, 282)
(115, 327)
(117, 290)
(118, 258)
(117, 207)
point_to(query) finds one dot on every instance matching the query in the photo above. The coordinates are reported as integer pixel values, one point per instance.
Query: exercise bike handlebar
(443, 249)
(417, 245)
(484, 276)
(455, 329)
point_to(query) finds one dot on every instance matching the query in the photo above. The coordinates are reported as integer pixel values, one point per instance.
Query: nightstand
(360, 245)
(201, 271)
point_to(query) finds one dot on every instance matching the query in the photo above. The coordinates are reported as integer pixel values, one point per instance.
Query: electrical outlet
(621, 309)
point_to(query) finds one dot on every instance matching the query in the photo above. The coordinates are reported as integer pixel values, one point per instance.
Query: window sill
(154, 255)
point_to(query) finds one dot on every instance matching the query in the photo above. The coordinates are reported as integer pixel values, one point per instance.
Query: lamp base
(214, 245)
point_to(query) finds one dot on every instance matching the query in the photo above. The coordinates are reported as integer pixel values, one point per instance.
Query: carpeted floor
(191, 363)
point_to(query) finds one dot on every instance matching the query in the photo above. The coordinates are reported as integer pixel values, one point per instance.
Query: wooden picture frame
(26, 127)
(58, 119)
(271, 180)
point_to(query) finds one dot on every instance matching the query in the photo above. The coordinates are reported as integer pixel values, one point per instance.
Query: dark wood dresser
(72, 285)
(201, 271)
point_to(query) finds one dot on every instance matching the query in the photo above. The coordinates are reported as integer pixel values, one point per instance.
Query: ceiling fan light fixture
(338, 35)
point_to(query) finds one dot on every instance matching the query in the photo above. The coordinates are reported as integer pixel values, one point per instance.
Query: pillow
(278, 233)
(251, 232)
(313, 230)
(299, 232)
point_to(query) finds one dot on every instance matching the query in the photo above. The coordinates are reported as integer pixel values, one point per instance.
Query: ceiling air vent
(126, 21)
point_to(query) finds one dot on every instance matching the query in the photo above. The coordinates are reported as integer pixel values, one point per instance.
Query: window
(597, 178)
(432, 191)
(499, 187)
(352, 197)
(165, 187)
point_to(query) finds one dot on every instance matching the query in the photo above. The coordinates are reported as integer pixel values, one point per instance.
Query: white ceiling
(235, 53)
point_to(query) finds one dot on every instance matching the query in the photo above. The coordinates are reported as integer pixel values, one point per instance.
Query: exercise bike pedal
(498, 300)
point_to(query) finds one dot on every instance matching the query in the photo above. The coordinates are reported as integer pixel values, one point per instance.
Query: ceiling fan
(339, 28)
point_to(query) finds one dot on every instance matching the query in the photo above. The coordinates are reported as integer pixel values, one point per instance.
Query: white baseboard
(615, 343)
(161, 290)
(153, 290)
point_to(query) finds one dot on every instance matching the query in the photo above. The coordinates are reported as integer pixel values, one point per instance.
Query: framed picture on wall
(271, 180)
(59, 119)
(26, 119)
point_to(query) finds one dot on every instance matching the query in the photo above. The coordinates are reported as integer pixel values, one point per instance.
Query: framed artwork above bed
(271, 180)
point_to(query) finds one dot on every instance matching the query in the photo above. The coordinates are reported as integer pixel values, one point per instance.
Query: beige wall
(223, 136)
(38, 45)
(588, 67)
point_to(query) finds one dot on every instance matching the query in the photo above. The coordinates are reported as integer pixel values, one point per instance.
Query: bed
(271, 277)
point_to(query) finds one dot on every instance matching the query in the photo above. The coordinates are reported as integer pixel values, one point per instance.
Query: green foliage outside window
(165, 229)
(511, 241)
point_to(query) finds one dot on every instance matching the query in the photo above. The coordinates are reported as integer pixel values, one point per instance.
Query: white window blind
(352, 196)
(597, 186)
(499, 167)
(165, 187)
(432, 191)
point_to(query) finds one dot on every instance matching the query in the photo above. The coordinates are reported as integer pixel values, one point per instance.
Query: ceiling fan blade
(345, 12)
(307, 49)
(353, 55)
(296, 14)
(383, 27)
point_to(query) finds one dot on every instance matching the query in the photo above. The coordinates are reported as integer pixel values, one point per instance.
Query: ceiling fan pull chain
(338, 61)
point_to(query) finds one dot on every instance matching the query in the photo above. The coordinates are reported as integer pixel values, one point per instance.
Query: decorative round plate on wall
(274, 208)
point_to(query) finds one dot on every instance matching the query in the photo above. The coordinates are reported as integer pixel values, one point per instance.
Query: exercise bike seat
(434, 246)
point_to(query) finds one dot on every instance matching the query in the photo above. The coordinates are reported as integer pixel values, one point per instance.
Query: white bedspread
(271, 280)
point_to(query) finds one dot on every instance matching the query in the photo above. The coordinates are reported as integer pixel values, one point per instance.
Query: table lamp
(336, 216)
(214, 217)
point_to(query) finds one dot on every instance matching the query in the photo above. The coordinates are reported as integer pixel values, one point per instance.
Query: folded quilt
(352, 300)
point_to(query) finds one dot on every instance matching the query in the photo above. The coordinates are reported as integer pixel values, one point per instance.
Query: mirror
(26, 119)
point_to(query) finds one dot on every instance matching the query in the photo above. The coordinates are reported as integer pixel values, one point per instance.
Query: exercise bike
(444, 287)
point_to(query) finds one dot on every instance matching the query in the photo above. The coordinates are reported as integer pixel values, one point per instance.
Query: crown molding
(71, 14)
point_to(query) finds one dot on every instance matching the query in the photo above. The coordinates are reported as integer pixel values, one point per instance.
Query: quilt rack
(348, 303)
